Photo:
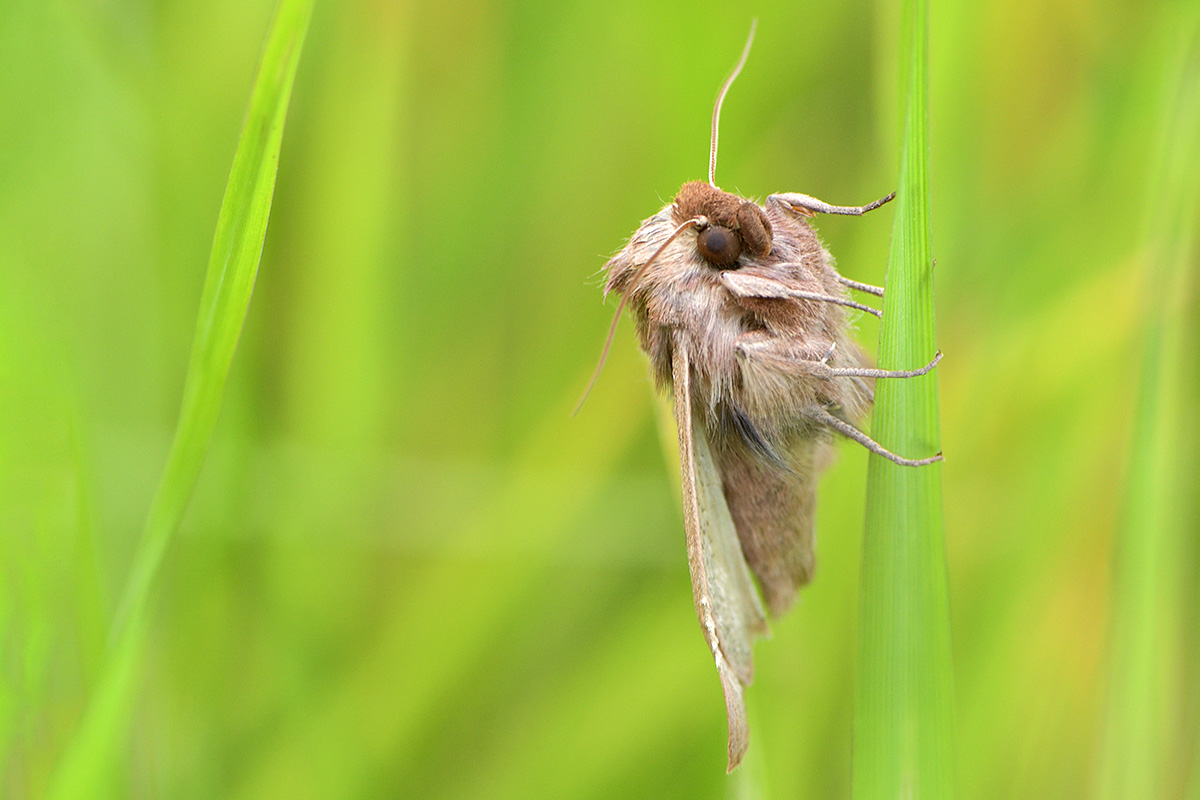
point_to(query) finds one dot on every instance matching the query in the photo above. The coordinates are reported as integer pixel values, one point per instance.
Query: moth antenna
(637, 276)
(716, 122)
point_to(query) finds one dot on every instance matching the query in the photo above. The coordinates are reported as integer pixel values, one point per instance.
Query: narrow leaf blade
(88, 765)
(904, 686)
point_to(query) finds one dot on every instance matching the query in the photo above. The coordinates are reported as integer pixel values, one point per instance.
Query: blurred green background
(406, 571)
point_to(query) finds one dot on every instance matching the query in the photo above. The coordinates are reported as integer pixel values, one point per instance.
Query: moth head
(732, 226)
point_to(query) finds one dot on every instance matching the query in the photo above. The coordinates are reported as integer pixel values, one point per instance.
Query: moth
(743, 317)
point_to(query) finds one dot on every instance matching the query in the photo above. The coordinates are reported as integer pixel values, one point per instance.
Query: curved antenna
(637, 276)
(712, 148)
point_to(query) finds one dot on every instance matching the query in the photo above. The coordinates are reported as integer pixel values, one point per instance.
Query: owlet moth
(743, 316)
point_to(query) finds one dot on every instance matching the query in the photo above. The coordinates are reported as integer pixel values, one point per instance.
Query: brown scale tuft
(697, 198)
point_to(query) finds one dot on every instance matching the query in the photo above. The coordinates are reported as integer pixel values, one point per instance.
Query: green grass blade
(1147, 688)
(904, 687)
(88, 764)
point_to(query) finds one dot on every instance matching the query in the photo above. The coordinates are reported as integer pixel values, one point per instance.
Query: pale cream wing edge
(727, 603)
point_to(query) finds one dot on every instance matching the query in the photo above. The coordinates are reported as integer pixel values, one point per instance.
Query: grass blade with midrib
(88, 765)
(903, 712)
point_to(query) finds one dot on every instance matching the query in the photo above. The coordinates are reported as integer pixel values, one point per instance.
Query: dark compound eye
(719, 245)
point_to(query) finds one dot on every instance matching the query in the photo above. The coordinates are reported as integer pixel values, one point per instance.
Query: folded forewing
(727, 603)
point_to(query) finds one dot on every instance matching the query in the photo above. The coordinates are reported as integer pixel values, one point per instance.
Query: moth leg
(840, 301)
(863, 372)
(862, 287)
(820, 415)
(745, 285)
(769, 351)
(807, 206)
(784, 355)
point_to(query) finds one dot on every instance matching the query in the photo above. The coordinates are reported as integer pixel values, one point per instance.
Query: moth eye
(719, 246)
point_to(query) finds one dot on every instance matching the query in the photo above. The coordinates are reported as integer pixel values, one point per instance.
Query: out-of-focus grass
(399, 549)
(90, 759)
(1147, 703)
(903, 712)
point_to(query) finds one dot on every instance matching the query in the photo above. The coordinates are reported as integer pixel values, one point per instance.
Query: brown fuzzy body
(752, 345)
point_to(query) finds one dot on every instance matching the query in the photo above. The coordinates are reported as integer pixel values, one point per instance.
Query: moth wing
(727, 604)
